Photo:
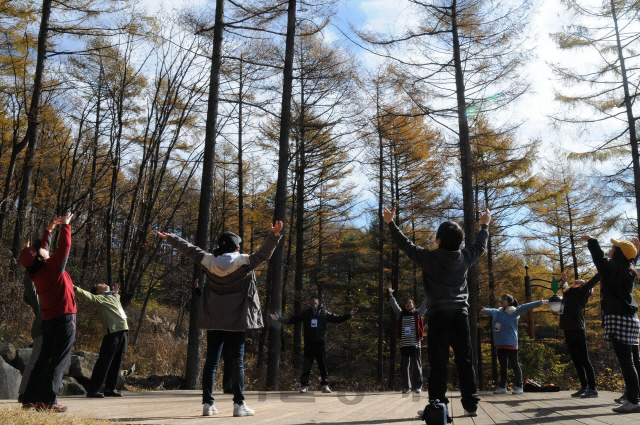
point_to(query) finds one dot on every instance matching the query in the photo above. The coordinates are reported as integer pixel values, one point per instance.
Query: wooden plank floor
(288, 408)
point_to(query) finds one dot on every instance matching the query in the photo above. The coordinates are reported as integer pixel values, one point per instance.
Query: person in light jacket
(505, 337)
(229, 306)
(115, 341)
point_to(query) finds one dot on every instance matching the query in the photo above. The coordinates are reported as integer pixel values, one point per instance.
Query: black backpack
(436, 413)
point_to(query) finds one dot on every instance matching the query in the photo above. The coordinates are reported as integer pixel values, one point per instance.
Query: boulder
(22, 358)
(8, 352)
(70, 386)
(9, 381)
(81, 365)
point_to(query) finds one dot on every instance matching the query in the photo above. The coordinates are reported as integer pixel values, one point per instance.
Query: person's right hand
(276, 227)
(274, 316)
(162, 235)
(387, 216)
(636, 243)
(485, 218)
(586, 238)
(390, 290)
(563, 276)
(66, 218)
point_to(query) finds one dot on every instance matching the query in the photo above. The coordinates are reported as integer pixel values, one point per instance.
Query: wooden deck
(287, 408)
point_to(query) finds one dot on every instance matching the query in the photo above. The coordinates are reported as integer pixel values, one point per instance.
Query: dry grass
(13, 415)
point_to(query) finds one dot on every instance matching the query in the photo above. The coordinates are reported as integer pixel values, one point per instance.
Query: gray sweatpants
(411, 368)
(35, 352)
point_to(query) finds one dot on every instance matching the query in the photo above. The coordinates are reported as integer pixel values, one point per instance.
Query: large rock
(70, 386)
(22, 358)
(81, 365)
(8, 352)
(9, 381)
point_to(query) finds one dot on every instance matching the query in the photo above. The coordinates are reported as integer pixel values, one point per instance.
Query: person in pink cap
(55, 290)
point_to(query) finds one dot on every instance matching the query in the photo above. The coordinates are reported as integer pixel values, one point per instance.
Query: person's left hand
(387, 216)
(116, 288)
(545, 302)
(162, 235)
(636, 243)
(353, 312)
(586, 238)
(66, 218)
(563, 276)
(54, 223)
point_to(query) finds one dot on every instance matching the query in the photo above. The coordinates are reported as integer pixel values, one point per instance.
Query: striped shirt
(409, 337)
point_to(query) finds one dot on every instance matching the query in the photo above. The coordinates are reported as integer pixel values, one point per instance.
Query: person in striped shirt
(410, 332)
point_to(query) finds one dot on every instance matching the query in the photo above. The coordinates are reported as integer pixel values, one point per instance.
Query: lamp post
(555, 301)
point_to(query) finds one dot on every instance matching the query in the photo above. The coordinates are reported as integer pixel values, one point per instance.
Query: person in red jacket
(55, 290)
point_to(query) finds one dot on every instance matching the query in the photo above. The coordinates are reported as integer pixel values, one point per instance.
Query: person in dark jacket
(115, 341)
(444, 272)
(314, 319)
(621, 324)
(410, 333)
(229, 306)
(30, 297)
(572, 322)
(55, 291)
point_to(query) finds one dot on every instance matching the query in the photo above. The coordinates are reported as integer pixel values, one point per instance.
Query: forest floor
(290, 408)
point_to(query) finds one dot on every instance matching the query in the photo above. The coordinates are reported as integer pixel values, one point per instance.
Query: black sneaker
(112, 393)
(579, 392)
(95, 394)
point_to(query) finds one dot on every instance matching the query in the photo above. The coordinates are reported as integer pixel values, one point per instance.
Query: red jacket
(53, 283)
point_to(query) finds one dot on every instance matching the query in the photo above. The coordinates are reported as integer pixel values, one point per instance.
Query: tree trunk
(240, 161)
(380, 242)
(24, 201)
(194, 354)
(628, 103)
(281, 198)
(467, 177)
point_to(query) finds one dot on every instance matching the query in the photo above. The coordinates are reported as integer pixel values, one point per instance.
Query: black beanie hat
(229, 242)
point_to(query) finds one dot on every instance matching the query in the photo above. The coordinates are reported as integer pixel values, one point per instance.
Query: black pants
(629, 360)
(107, 368)
(314, 350)
(577, 344)
(509, 359)
(451, 328)
(58, 336)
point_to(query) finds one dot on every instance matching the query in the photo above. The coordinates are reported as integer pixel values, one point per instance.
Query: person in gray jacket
(444, 272)
(410, 332)
(229, 306)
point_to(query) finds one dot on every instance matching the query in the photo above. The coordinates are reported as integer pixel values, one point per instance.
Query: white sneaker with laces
(304, 389)
(325, 389)
(627, 407)
(500, 390)
(209, 409)
(418, 390)
(471, 414)
(517, 390)
(242, 410)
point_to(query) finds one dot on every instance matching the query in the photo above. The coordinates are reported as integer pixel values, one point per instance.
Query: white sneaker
(325, 389)
(627, 407)
(242, 410)
(418, 390)
(406, 391)
(471, 414)
(209, 409)
(500, 390)
(420, 412)
(304, 389)
(517, 390)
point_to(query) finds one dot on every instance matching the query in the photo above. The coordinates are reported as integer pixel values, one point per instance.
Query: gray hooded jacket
(444, 272)
(229, 298)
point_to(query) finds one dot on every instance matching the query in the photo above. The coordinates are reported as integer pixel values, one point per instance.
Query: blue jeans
(234, 343)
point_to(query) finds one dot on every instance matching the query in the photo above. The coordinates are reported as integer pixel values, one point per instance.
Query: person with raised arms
(229, 306)
(58, 303)
(444, 273)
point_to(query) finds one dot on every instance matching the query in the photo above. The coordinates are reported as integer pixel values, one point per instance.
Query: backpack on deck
(436, 413)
